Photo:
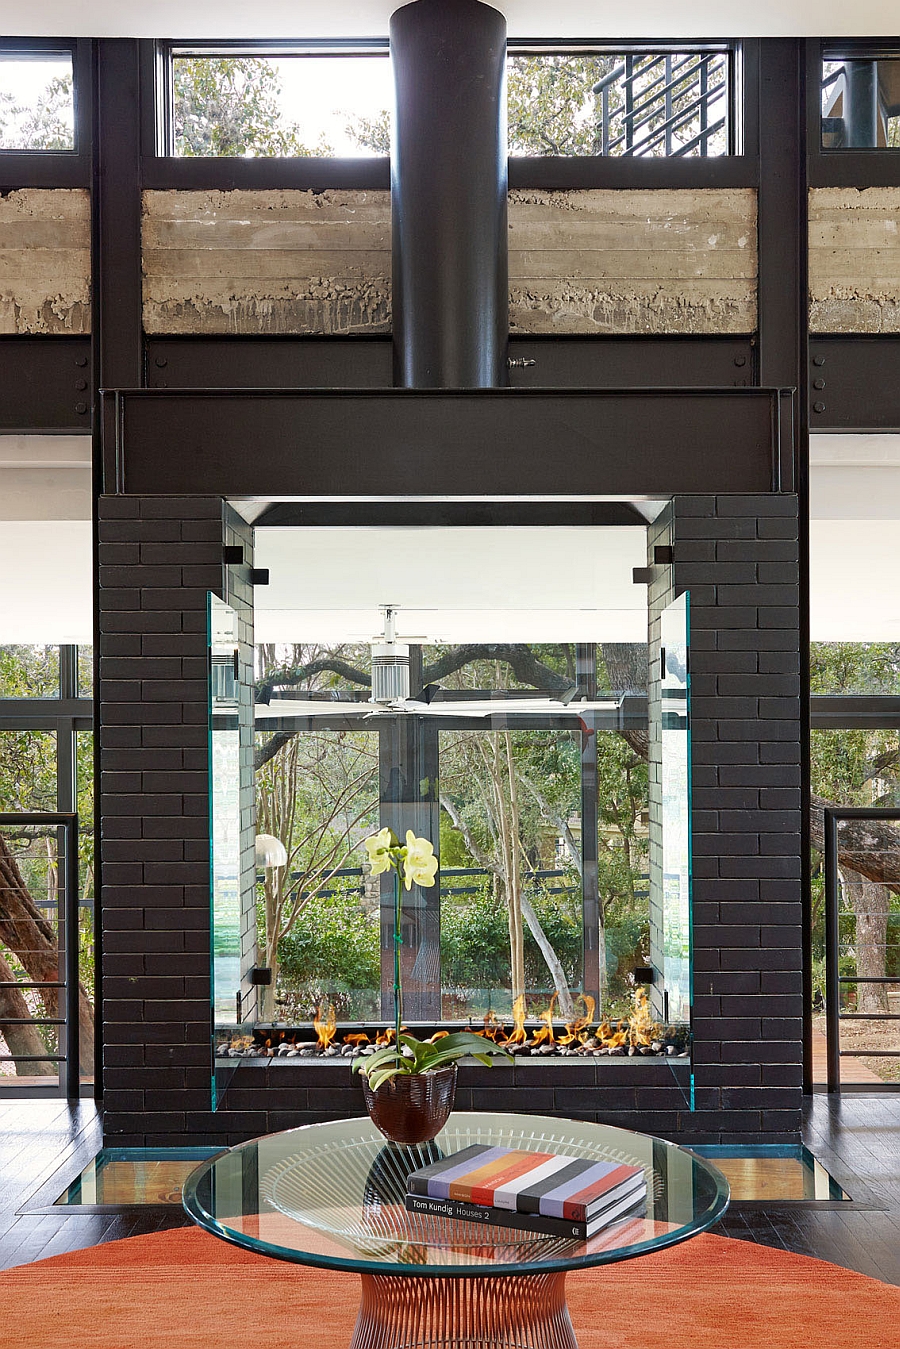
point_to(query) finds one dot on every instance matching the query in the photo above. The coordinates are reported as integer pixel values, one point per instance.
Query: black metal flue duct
(448, 194)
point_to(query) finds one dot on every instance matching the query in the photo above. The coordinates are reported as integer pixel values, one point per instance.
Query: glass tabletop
(332, 1195)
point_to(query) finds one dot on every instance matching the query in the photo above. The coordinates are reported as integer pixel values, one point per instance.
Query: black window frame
(55, 168)
(729, 48)
(875, 167)
(162, 171)
(65, 715)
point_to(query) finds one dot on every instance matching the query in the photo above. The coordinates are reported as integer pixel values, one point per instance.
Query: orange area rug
(184, 1289)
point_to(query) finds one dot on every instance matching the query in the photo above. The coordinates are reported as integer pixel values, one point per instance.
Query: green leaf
(384, 1075)
(372, 1062)
(460, 1045)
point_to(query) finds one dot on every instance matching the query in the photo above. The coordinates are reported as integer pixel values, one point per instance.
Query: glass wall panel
(320, 103)
(318, 916)
(84, 787)
(225, 814)
(676, 830)
(497, 709)
(620, 103)
(861, 103)
(85, 671)
(855, 667)
(869, 952)
(859, 768)
(27, 770)
(29, 672)
(37, 105)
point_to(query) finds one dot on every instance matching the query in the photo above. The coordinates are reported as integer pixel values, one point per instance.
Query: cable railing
(57, 1035)
(671, 104)
(834, 979)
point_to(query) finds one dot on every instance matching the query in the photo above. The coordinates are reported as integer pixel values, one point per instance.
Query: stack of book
(532, 1191)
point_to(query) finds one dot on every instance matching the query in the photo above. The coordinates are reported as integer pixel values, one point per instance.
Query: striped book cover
(571, 1188)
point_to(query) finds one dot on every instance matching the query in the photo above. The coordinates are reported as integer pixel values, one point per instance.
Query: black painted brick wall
(737, 555)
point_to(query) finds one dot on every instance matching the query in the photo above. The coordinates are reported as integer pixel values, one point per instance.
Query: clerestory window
(334, 101)
(860, 101)
(323, 102)
(629, 103)
(37, 100)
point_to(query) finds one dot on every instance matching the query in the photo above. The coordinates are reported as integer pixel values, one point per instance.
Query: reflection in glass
(860, 103)
(225, 812)
(676, 832)
(341, 1197)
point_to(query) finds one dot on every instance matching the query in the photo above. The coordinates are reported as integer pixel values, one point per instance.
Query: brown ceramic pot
(412, 1107)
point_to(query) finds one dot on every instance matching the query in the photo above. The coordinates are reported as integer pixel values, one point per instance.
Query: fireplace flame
(545, 1034)
(517, 1035)
(642, 1028)
(638, 1031)
(360, 1039)
(578, 1030)
(325, 1024)
(385, 1037)
(438, 1035)
(493, 1029)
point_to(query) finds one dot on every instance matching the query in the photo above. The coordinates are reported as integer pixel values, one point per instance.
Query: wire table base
(522, 1311)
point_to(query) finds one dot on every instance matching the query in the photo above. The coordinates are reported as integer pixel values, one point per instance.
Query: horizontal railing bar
(14, 983)
(38, 817)
(32, 1021)
(871, 1053)
(868, 1016)
(869, 979)
(32, 1058)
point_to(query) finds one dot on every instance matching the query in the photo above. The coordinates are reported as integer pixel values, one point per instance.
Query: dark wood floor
(38, 1141)
(43, 1144)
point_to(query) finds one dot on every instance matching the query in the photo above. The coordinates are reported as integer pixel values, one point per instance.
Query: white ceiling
(369, 18)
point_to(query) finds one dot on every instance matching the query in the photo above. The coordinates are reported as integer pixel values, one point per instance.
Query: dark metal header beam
(491, 442)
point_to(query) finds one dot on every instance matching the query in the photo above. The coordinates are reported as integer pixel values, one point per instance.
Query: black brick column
(738, 557)
(159, 556)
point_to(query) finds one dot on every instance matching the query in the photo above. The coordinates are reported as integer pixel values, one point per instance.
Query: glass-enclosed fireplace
(507, 693)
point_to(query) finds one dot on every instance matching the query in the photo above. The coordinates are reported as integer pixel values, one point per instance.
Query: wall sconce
(270, 852)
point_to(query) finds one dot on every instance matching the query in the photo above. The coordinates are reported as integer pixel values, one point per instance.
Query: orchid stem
(398, 942)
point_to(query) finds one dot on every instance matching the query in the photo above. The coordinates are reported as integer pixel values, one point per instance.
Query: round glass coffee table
(332, 1195)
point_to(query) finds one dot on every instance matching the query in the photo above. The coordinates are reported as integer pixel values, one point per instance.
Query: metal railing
(67, 1054)
(833, 977)
(671, 103)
